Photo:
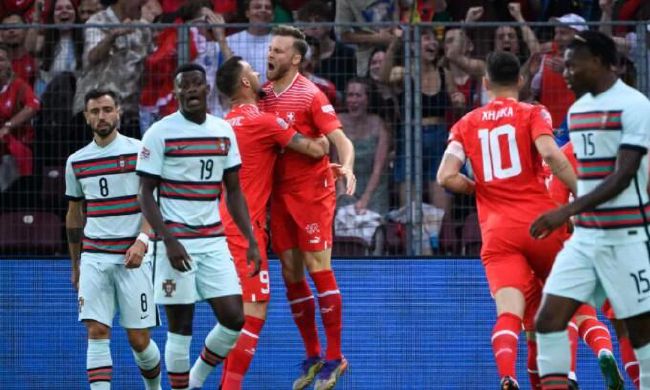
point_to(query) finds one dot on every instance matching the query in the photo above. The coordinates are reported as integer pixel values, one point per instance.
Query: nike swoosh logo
(181, 147)
(642, 299)
(143, 317)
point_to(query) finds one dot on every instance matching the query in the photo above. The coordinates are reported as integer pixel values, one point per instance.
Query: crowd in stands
(49, 60)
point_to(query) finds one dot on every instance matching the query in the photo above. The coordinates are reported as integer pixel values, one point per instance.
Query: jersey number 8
(491, 153)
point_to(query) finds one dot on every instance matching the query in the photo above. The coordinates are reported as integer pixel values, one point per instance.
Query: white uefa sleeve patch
(328, 109)
(455, 148)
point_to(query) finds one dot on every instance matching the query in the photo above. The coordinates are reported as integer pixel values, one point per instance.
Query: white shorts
(212, 275)
(105, 288)
(590, 273)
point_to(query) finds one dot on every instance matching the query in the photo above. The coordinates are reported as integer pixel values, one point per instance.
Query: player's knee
(235, 320)
(138, 339)
(546, 322)
(97, 330)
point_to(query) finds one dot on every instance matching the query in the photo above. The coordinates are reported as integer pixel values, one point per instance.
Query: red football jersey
(307, 110)
(498, 139)
(259, 136)
(558, 190)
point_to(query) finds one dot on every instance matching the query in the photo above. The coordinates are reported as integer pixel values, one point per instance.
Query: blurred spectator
(418, 11)
(505, 39)
(22, 61)
(114, 58)
(18, 105)
(307, 69)
(208, 48)
(383, 100)
(253, 43)
(436, 89)
(469, 88)
(371, 141)
(366, 37)
(547, 82)
(60, 49)
(336, 61)
(88, 8)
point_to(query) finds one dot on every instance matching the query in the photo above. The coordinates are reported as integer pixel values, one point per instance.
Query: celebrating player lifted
(302, 205)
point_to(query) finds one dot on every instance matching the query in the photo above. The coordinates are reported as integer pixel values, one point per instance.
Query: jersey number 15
(491, 153)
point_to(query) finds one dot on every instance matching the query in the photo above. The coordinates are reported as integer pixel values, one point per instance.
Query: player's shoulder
(303, 85)
(83, 153)
(631, 98)
(132, 143)
(218, 125)
(170, 121)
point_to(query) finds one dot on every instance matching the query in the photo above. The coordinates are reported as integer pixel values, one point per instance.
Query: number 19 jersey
(499, 141)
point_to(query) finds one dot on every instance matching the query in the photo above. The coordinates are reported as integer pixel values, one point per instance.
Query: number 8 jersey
(190, 159)
(498, 139)
(105, 177)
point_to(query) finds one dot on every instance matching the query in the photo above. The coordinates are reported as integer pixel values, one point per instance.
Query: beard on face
(278, 72)
(106, 131)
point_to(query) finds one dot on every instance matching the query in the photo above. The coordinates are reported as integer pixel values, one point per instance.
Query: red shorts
(256, 288)
(510, 256)
(303, 219)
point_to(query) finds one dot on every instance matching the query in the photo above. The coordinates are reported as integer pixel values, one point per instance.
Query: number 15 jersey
(499, 141)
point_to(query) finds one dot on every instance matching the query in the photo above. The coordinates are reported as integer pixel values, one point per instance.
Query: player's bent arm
(557, 161)
(236, 204)
(314, 148)
(74, 223)
(149, 207)
(449, 175)
(627, 164)
(344, 148)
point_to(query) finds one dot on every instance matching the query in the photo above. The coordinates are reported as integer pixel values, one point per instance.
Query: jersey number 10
(491, 153)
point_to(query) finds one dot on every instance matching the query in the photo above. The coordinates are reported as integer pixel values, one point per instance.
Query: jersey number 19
(491, 153)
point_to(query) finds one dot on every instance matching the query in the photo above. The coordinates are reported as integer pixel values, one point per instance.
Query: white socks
(177, 360)
(218, 344)
(553, 353)
(99, 364)
(643, 356)
(149, 363)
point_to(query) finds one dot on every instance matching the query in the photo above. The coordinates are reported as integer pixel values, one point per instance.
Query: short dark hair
(598, 44)
(247, 4)
(191, 9)
(503, 68)
(299, 42)
(316, 9)
(228, 76)
(189, 67)
(96, 93)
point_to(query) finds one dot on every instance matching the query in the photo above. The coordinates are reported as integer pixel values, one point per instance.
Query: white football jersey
(105, 178)
(599, 126)
(190, 160)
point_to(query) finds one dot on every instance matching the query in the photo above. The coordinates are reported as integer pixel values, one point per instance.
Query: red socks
(240, 357)
(533, 372)
(595, 335)
(629, 360)
(303, 309)
(330, 303)
(504, 343)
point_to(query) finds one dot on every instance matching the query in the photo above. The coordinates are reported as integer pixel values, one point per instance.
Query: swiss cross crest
(169, 286)
(81, 303)
(291, 116)
(121, 162)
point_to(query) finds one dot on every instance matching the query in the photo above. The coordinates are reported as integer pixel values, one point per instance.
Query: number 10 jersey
(499, 141)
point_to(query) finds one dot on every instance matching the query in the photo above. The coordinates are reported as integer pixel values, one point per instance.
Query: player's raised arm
(238, 209)
(74, 223)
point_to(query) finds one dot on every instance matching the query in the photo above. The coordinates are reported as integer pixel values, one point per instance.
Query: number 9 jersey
(498, 139)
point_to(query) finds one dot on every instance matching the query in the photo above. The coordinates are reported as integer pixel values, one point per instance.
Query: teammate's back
(499, 141)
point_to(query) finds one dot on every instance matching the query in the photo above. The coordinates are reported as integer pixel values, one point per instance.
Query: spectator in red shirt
(22, 62)
(18, 105)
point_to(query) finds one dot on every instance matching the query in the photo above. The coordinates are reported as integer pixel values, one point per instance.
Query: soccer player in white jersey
(609, 252)
(112, 275)
(184, 160)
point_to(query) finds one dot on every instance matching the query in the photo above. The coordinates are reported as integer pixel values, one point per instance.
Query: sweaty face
(505, 39)
(102, 115)
(578, 70)
(282, 56)
(260, 11)
(191, 91)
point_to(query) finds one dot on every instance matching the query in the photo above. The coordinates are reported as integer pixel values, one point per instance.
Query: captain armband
(455, 148)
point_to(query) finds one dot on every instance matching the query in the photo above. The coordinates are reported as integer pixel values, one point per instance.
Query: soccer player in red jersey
(505, 142)
(302, 205)
(259, 136)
